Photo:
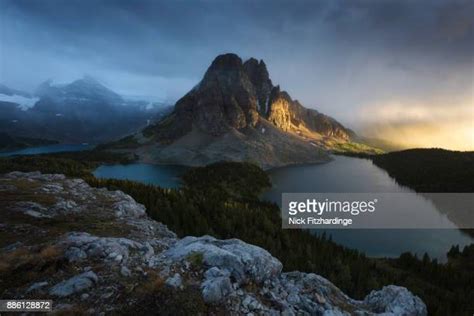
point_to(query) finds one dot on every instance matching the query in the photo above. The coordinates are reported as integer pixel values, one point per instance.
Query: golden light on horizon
(410, 125)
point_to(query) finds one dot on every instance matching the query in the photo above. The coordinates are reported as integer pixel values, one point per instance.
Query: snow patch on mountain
(24, 103)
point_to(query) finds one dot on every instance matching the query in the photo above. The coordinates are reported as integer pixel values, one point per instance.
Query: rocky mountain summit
(95, 251)
(236, 113)
(237, 95)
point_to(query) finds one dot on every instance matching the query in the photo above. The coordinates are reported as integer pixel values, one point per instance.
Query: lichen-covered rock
(80, 246)
(175, 281)
(75, 284)
(126, 205)
(66, 206)
(245, 262)
(32, 209)
(216, 285)
(395, 300)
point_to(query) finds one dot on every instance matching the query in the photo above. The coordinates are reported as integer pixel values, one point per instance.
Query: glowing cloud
(416, 124)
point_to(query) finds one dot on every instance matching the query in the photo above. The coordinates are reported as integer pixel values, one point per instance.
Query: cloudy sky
(386, 68)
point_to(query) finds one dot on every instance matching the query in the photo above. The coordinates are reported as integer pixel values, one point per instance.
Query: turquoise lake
(343, 174)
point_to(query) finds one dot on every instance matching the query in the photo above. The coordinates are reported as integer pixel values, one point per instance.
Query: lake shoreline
(362, 240)
(168, 176)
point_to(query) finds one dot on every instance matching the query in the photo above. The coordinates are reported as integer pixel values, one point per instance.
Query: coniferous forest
(222, 200)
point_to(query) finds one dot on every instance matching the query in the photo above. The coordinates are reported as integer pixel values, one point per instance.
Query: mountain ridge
(236, 113)
(237, 94)
(85, 88)
(83, 110)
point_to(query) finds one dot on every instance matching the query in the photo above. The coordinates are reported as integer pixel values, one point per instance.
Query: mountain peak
(224, 99)
(237, 95)
(258, 74)
(253, 62)
(88, 80)
(236, 113)
(85, 88)
(254, 67)
(224, 66)
(233, 61)
(226, 61)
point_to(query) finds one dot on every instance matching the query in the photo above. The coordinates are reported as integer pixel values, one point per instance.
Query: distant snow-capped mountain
(81, 111)
(85, 89)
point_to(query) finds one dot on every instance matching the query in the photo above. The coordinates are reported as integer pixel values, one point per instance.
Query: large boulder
(79, 246)
(216, 286)
(395, 300)
(245, 262)
(75, 284)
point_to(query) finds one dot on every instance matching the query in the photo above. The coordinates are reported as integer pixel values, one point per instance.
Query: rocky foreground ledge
(94, 251)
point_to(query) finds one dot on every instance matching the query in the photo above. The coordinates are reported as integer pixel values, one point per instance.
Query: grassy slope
(356, 148)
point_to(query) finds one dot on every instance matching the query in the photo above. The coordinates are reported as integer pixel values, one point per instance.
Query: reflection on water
(341, 175)
(355, 175)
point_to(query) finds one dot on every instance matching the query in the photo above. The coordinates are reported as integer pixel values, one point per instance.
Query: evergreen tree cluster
(222, 200)
(430, 170)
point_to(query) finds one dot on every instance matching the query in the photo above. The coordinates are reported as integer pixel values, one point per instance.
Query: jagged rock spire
(258, 75)
(236, 95)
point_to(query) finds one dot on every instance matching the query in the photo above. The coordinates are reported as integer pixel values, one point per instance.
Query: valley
(223, 200)
(241, 158)
(225, 163)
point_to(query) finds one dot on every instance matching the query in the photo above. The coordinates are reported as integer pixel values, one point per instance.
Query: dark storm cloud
(431, 28)
(312, 48)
